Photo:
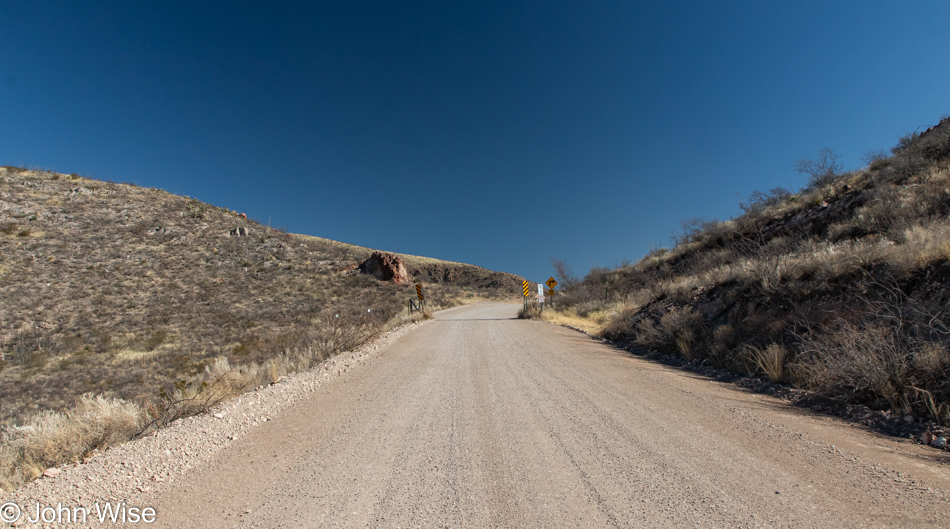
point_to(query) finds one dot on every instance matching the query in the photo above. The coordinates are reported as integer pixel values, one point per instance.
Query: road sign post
(525, 288)
(541, 298)
(551, 283)
(420, 293)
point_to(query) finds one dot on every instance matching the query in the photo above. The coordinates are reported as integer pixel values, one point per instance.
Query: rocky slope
(840, 288)
(125, 291)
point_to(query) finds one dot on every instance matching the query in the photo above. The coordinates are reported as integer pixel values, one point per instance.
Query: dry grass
(592, 322)
(120, 290)
(738, 293)
(771, 361)
(134, 294)
(52, 438)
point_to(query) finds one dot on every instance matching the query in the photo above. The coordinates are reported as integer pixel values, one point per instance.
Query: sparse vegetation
(821, 171)
(532, 312)
(840, 288)
(160, 303)
(50, 438)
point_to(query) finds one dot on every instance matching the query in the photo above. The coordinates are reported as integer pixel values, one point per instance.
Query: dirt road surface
(481, 420)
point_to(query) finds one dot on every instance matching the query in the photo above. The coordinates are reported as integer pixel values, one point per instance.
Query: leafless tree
(563, 273)
(820, 171)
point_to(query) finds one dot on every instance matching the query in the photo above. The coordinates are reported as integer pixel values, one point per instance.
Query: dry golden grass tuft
(51, 438)
(593, 322)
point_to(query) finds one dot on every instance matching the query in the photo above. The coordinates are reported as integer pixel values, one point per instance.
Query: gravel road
(480, 420)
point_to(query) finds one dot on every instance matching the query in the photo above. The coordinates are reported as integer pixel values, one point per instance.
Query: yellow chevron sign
(419, 292)
(525, 287)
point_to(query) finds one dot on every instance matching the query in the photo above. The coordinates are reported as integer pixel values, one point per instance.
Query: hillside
(840, 288)
(135, 293)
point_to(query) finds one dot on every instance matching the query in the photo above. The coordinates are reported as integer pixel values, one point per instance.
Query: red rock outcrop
(386, 267)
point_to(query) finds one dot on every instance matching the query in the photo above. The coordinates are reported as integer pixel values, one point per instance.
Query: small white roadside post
(541, 297)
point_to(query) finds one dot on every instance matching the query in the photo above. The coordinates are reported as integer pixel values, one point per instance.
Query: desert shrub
(882, 211)
(681, 330)
(687, 329)
(821, 171)
(932, 146)
(340, 334)
(718, 232)
(868, 361)
(905, 142)
(694, 229)
(915, 152)
(599, 287)
(875, 362)
(921, 246)
(769, 265)
(722, 348)
(533, 312)
(188, 397)
(649, 334)
(758, 201)
(564, 274)
(619, 326)
(875, 159)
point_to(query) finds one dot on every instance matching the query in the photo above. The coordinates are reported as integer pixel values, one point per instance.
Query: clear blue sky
(494, 133)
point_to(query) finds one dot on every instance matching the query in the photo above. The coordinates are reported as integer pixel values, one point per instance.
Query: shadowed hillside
(122, 291)
(840, 288)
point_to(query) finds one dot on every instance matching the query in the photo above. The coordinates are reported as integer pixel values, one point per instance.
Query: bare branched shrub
(939, 411)
(869, 361)
(649, 334)
(340, 333)
(618, 325)
(564, 274)
(758, 201)
(821, 171)
(896, 350)
(681, 329)
(770, 264)
(186, 398)
(692, 229)
(874, 159)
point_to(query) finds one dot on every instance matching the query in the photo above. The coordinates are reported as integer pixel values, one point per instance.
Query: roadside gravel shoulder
(129, 472)
(916, 430)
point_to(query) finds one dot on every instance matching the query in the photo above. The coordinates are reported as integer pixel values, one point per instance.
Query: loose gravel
(482, 420)
(130, 472)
